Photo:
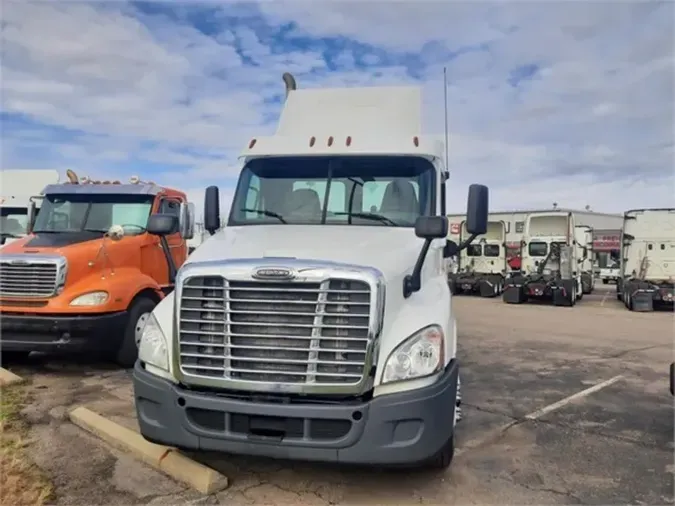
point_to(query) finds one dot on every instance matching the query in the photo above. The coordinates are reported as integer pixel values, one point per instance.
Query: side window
(474, 250)
(172, 207)
(520, 227)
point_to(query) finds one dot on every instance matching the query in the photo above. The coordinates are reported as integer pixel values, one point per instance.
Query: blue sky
(568, 102)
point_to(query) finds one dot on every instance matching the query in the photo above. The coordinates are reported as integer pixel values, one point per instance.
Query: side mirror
(162, 224)
(32, 215)
(477, 209)
(212, 209)
(431, 227)
(186, 220)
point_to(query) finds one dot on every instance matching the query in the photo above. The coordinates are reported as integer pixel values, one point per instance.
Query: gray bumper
(403, 428)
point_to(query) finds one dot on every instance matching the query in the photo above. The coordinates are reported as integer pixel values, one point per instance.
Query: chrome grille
(274, 332)
(34, 279)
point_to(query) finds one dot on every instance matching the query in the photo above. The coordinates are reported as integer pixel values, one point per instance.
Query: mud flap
(514, 294)
(453, 286)
(564, 297)
(642, 302)
(486, 288)
(672, 379)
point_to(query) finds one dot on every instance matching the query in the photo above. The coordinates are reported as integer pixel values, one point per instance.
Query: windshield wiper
(9, 234)
(266, 213)
(370, 216)
(94, 230)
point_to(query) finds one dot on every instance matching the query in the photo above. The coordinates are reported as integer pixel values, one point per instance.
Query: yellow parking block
(168, 460)
(8, 377)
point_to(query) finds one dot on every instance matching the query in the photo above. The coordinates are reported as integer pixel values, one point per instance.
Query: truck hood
(392, 250)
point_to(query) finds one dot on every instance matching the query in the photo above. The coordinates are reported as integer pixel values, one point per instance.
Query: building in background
(606, 230)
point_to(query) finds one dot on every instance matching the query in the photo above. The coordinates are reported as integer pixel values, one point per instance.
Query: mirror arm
(413, 282)
(462, 245)
(169, 259)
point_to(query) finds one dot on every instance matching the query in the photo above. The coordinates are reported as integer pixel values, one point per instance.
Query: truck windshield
(13, 221)
(93, 213)
(491, 250)
(390, 191)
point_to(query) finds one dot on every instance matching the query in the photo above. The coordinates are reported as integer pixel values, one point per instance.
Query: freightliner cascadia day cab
(17, 189)
(318, 324)
(482, 265)
(550, 268)
(96, 263)
(647, 276)
(583, 236)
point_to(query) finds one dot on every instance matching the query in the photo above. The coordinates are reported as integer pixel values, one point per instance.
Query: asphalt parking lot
(522, 441)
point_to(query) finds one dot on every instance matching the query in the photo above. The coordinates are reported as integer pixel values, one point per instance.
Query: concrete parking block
(8, 377)
(168, 460)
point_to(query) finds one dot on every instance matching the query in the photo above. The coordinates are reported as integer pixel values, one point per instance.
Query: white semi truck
(318, 324)
(482, 265)
(550, 267)
(647, 272)
(583, 237)
(17, 188)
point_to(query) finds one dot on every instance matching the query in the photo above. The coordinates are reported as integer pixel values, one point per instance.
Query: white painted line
(556, 405)
(604, 298)
(495, 434)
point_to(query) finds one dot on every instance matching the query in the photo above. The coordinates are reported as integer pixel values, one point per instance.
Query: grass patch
(21, 482)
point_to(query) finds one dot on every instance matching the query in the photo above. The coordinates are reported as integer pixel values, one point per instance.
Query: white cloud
(175, 93)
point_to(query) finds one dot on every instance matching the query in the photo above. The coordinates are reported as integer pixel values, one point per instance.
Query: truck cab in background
(583, 236)
(17, 189)
(482, 265)
(647, 271)
(97, 260)
(550, 268)
(318, 324)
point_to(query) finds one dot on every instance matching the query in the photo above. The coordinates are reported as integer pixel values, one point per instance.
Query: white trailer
(318, 324)
(550, 268)
(647, 272)
(482, 265)
(583, 245)
(17, 188)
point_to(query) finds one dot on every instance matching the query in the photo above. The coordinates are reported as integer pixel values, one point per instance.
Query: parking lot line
(495, 434)
(604, 298)
(556, 405)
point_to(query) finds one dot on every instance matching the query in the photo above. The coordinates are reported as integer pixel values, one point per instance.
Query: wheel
(573, 298)
(138, 314)
(605, 281)
(9, 357)
(444, 456)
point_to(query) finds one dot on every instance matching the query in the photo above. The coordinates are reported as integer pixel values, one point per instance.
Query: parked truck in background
(610, 273)
(90, 271)
(482, 265)
(17, 188)
(318, 324)
(583, 237)
(550, 268)
(647, 271)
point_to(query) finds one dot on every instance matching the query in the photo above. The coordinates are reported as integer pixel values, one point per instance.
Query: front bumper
(402, 428)
(49, 333)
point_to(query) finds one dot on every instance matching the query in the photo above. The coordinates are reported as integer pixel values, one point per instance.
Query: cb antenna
(445, 114)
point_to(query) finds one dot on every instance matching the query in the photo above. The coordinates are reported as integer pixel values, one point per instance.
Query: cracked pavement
(613, 446)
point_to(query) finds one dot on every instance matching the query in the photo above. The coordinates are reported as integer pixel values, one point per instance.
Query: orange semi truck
(98, 258)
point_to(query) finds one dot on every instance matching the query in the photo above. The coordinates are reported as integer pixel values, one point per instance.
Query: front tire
(138, 314)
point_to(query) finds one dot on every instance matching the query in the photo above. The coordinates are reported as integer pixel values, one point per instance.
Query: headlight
(152, 349)
(90, 299)
(422, 354)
